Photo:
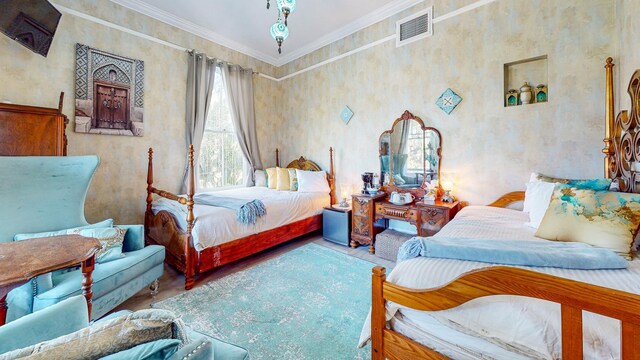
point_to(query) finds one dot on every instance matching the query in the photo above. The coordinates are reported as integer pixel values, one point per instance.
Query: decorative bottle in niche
(525, 94)
(541, 93)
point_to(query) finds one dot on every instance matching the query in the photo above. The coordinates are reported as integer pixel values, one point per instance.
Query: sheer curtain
(200, 78)
(239, 85)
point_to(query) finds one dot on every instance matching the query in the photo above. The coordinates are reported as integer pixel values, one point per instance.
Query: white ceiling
(243, 25)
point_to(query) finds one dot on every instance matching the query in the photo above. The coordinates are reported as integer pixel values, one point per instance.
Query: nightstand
(336, 225)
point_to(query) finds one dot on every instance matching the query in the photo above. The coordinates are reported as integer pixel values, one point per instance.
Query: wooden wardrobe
(32, 131)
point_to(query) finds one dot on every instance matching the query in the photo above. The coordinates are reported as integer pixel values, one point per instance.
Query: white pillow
(312, 181)
(539, 195)
(260, 177)
(526, 206)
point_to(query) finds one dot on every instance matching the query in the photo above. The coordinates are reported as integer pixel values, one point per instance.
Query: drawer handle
(431, 222)
(396, 213)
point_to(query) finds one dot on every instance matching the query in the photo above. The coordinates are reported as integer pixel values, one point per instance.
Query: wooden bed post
(332, 177)
(150, 181)
(277, 157)
(189, 251)
(609, 116)
(378, 313)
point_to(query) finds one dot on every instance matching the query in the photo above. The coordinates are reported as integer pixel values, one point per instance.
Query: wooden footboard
(573, 296)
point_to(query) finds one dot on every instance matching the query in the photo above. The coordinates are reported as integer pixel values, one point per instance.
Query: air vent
(415, 27)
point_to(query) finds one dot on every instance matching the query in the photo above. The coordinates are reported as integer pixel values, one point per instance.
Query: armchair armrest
(63, 318)
(134, 238)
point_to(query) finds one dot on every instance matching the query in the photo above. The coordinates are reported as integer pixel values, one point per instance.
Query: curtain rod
(191, 51)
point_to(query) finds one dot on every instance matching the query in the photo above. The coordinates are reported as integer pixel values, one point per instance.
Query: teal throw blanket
(566, 255)
(247, 211)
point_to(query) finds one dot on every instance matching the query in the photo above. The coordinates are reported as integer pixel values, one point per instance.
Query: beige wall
(118, 188)
(487, 149)
(628, 30)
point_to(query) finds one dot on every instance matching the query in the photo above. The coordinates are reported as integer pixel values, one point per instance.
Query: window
(221, 161)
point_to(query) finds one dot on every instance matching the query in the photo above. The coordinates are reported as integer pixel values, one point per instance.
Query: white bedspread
(525, 326)
(217, 225)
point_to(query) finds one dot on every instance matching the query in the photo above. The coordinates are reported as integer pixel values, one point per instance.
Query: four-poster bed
(622, 150)
(163, 227)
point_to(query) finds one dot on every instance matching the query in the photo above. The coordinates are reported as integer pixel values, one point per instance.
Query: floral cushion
(293, 180)
(588, 184)
(600, 218)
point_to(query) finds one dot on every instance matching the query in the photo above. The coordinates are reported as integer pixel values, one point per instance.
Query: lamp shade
(286, 5)
(279, 31)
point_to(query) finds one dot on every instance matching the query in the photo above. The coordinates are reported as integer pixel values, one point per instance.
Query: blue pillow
(155, 350)
(101, 224)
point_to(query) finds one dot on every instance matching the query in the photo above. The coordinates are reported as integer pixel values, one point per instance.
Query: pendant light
(286, 7)
(279, 32)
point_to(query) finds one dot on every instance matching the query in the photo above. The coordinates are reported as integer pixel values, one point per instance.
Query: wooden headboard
(304, 164)
(32, 131)
(622, 135)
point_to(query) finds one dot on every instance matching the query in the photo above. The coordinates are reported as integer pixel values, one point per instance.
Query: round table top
(26, 259)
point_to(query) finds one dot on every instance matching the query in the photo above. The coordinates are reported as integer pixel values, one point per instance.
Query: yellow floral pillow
(283, 179)
(600, 218)
(272, 178)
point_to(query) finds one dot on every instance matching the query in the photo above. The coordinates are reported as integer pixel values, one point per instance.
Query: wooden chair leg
(87, 268)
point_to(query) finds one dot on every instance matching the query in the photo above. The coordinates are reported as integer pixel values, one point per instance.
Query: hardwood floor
(172, 282)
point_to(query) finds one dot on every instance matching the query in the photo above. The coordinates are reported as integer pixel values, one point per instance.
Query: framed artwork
(448, 101)
(346, 114)
(109, 93)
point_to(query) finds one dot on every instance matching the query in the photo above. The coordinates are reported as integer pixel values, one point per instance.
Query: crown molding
(353, 27)
(168, 18)
(183, 24)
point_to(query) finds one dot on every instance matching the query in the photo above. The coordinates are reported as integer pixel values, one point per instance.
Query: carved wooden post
(150, 181)
(609, 116)
(189, 252)
(277, 157)
(378, 313)
(87, 268)
(332, 177)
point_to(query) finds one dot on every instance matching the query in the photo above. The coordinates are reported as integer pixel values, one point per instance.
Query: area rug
(309, 303)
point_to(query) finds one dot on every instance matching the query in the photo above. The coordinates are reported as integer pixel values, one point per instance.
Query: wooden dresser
(370, 215)
(32, 131)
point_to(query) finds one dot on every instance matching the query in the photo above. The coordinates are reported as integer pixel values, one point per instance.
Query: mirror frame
(419, 191)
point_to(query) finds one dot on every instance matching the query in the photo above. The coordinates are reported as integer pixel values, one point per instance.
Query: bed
(443, 308)
(200, 238)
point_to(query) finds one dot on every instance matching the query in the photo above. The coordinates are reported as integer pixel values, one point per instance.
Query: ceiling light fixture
(279, 30)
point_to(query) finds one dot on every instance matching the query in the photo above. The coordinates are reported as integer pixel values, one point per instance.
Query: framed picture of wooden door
(110, 106)
(109, 93)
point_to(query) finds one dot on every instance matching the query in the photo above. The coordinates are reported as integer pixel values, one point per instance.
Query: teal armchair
(47, 194)
(70, 315)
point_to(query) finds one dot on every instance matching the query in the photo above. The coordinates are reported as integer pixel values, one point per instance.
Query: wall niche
(526, 81)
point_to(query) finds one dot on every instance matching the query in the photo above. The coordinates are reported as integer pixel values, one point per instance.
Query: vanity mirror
(410, 155)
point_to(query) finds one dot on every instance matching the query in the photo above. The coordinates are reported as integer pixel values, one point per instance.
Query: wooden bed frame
(621, 150)
(161, 228)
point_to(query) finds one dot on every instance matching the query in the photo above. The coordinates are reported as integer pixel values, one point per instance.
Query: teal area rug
(309, 303)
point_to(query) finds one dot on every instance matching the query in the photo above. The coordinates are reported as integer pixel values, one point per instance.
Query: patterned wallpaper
(118, 189)
(487, 149)
(628, 60)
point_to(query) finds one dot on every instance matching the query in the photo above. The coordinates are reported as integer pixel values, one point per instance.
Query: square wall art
(448, 101)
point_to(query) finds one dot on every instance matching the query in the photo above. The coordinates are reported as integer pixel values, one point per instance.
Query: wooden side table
(20, 261)
(364, 229)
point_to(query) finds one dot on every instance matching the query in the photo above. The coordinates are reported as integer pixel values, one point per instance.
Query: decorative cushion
(293, 180)
(260, 177)
(110, 238)
(155, 350)
(312, 181)
(587, 184)
(102, 224)
(599, 218)
(44, 282)
(537, 198)
(108, 337)
(272, 178)
(283, 179)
